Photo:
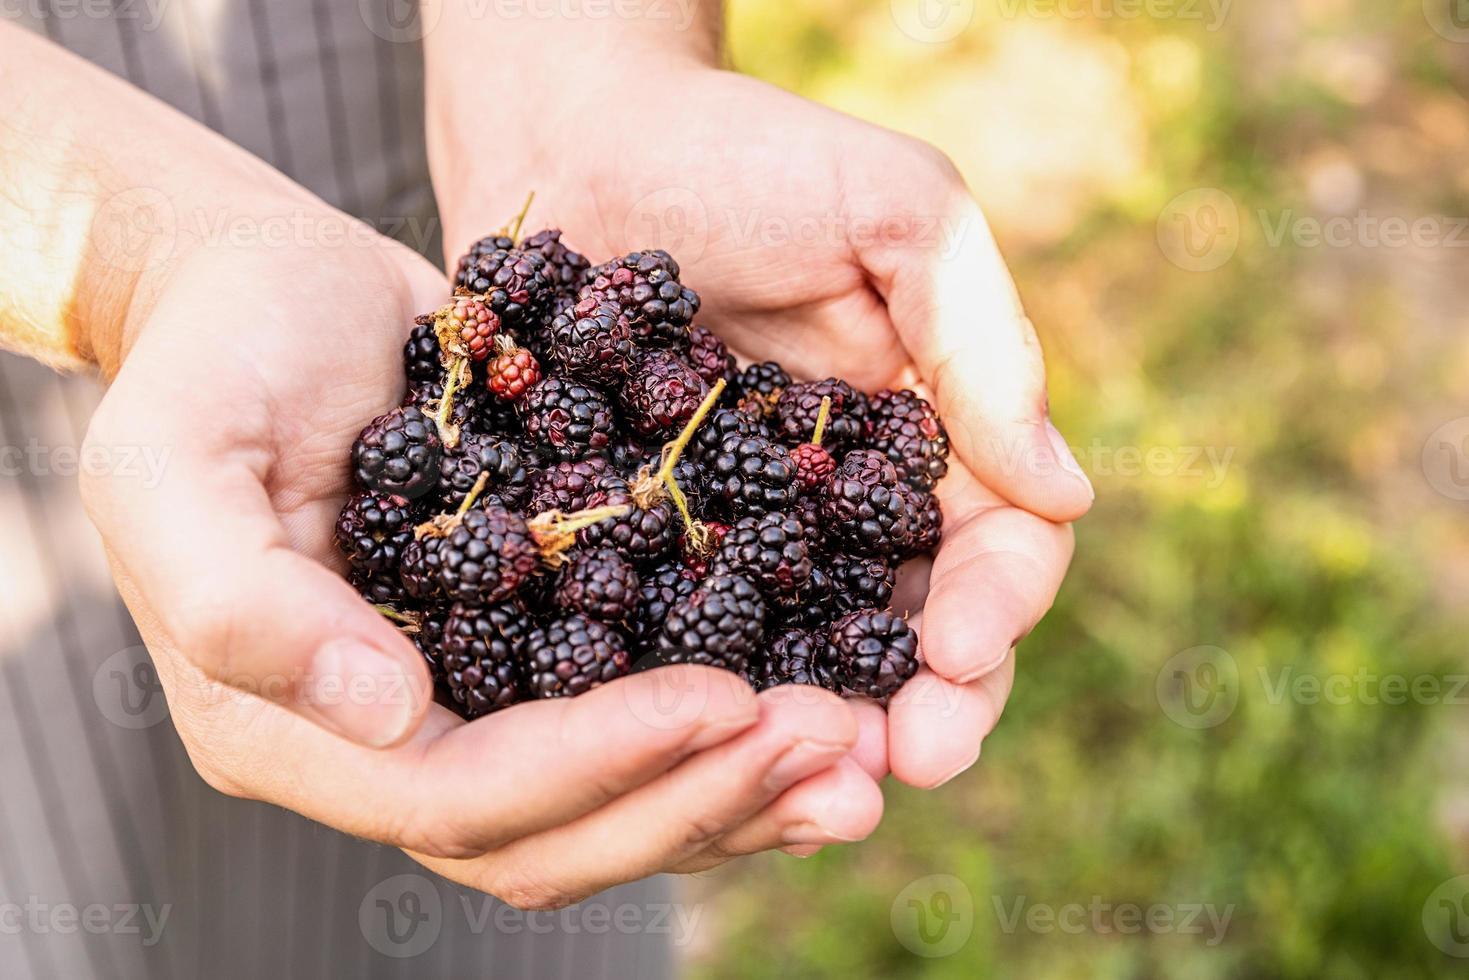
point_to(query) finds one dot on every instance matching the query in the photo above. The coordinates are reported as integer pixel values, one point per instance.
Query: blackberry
(419, 569)
(565, 268)
(719, 624)
(798, 406)
(470, 326)
(814, 466)
(644, 535)
(906, 429)
(429, 640)
(471, 411)
(372, 531)
(598, 584)
(460, 467)
(398, 453)
(645, 286)
(750, 475)
(593, 341)
(511, 374)
(698, 562)
(865, 506)
(486, 245)
(421, 353)
(927, 523)
(513, 283)
(860, 583)
(873, 652)
(658, 591)
(486, 556)
(770, 550)
(719, 423)
(574, 419)
(795, 656)
(572, 655)
(480, 650)
(811, 604)
(566, 486)
(759, 386)
(711, 360)
(686, 474)
(662, 394)
(383, 588)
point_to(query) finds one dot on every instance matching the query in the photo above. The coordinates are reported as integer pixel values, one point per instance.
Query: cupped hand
(254, 369)
(840, 248)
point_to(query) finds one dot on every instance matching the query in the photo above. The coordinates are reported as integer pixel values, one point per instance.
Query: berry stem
(674, 449)
(519, 219)
(650, 488)
(555, 531)
(448, 431)
(408, 622)
(822, 414)
(441, 524)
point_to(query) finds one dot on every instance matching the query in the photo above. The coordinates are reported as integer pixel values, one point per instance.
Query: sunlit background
(1241, 229)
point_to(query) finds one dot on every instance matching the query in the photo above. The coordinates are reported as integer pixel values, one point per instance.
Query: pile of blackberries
(580, 482)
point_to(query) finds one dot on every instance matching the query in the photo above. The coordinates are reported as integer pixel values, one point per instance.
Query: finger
(956, 308)
(936, 727)
(838, 806)
(871, 750)
(674, 817)
(204, 550)
(996, 574)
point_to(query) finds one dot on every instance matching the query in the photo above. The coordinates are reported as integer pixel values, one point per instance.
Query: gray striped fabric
(116, 860)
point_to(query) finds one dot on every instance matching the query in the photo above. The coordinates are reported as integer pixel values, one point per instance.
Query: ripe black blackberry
(421, 360)
(750, 475)
(372, 531)
(720, 423)
(486, 245)
(398, 453)
(798, 406)
(906, 429)
(575, 419)
(460, 467)
(770, 550)
(572, 655)
(566, 486)
(758, 386)
(645, 285)
(471, 410)
(662, 394)
(810, 605)
(383, 588)
(860, 583)
(709, 357)
(486, 555)
(644, 535)
(873, 652)
(428, 637)
(481, 650)
(598, 584)
(865, 506)
(419, 569)
(927, 523)
(513, 283)
(593, 341)
(565, 268)
(719, 624)
(795, 656)
(660, 590)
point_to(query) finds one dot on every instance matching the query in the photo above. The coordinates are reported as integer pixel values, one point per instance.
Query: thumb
(204, 561)
(954, 305)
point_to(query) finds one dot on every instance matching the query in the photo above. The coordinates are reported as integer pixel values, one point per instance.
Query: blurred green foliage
(1319, 550)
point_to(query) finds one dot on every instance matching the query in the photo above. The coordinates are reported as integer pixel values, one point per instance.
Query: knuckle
(700, 831)
(206, 631)
(531, 894)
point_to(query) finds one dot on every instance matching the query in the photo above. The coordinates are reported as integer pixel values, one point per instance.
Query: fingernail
(812, 833)
(361, 693)
(801, 760)
(957, 772)
(801, 850)
(1066, 458)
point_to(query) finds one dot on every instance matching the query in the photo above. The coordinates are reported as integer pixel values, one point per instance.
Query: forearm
(102, 192)
(509, 81)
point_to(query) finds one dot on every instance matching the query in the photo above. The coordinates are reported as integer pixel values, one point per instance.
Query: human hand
(254, 368)
(837, 248)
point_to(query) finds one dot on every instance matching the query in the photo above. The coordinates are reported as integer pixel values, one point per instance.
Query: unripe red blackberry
(814, 466)
(711, 360)
(575, 419)
(566, 486)
(470, 326)
(645, 286)
(770, 550)
(698, 561)
(486, 556)
(481, 648)
(398, 453)
(372, 531)
(795, 656)
(662, 394)
(565, 268)
(421, 356)
(499, 459)
(798, 406)
(719, 624)
(593, 341)
(906, 429)
(598, 584)
(572, 655)
(512, 373)
(866, 507)
(750, 475)
(873, 652)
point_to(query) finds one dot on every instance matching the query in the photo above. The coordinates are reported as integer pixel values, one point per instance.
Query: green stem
(520, 218)
(822, 414)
